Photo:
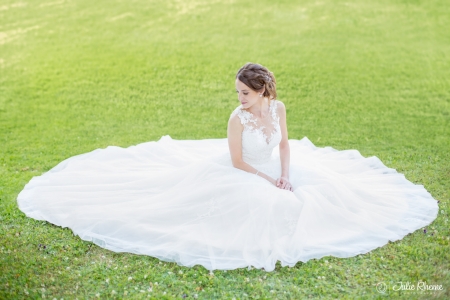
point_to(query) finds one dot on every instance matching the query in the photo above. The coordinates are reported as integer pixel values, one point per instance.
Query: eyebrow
(242, 90)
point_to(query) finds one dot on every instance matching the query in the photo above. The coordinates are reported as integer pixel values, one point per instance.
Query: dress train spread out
(183, 201)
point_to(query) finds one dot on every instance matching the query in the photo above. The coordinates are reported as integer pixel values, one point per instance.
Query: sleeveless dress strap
(273, 108)
(243, 115)
(246, 117)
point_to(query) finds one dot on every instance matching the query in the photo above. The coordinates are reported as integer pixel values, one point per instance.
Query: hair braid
(257, 77)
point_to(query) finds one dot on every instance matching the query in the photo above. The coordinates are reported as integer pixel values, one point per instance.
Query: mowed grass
(76, 76)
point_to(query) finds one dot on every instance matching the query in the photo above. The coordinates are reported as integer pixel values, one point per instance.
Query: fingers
(280, 183)
(284, 184)
(288, 186)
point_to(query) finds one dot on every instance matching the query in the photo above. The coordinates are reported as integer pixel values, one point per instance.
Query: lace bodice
(258, 139)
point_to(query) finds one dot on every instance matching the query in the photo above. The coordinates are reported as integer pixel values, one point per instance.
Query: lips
(243, 102)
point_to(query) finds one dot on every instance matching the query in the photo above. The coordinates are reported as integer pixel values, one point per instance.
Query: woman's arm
(284, 144)
(234, 133)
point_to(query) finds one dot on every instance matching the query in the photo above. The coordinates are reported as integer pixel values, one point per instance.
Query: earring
(260, 95)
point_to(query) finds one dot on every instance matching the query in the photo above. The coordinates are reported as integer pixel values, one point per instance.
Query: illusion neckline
(272, 115)
(269, 114)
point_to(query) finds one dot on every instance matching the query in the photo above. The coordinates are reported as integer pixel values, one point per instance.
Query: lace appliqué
(257, 146)
(248, 117)
(211, 207)
(291, 222)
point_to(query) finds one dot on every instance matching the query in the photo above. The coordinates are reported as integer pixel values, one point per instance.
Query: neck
(260, 108)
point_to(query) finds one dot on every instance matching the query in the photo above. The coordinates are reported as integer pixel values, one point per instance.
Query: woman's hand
(283, 183)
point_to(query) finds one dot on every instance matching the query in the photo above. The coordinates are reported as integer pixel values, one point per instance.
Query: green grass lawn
(80, 75)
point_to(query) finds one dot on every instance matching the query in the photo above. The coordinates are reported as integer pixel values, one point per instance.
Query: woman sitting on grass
(236, 202)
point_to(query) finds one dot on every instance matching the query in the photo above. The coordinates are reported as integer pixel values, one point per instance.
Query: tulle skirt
(182, 201)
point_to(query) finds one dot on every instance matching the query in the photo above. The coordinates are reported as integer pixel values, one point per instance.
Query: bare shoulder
(234, 121)
(281, 108)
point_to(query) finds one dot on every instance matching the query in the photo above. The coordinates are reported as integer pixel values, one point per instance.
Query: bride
(269, 124)
(232, 202)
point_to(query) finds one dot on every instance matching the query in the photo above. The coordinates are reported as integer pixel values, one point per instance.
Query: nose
(240, 96)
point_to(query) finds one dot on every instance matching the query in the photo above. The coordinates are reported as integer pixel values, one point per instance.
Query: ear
(262, 90)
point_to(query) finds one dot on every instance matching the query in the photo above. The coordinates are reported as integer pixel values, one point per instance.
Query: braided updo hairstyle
(256, 76)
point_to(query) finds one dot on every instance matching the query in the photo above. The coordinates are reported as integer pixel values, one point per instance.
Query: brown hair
(256, 76)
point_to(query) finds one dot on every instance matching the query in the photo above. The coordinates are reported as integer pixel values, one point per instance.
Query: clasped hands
(283, 183)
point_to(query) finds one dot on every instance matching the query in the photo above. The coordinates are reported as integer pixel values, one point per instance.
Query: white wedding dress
(182, 200)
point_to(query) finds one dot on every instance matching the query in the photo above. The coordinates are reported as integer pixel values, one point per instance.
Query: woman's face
(246, 95)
